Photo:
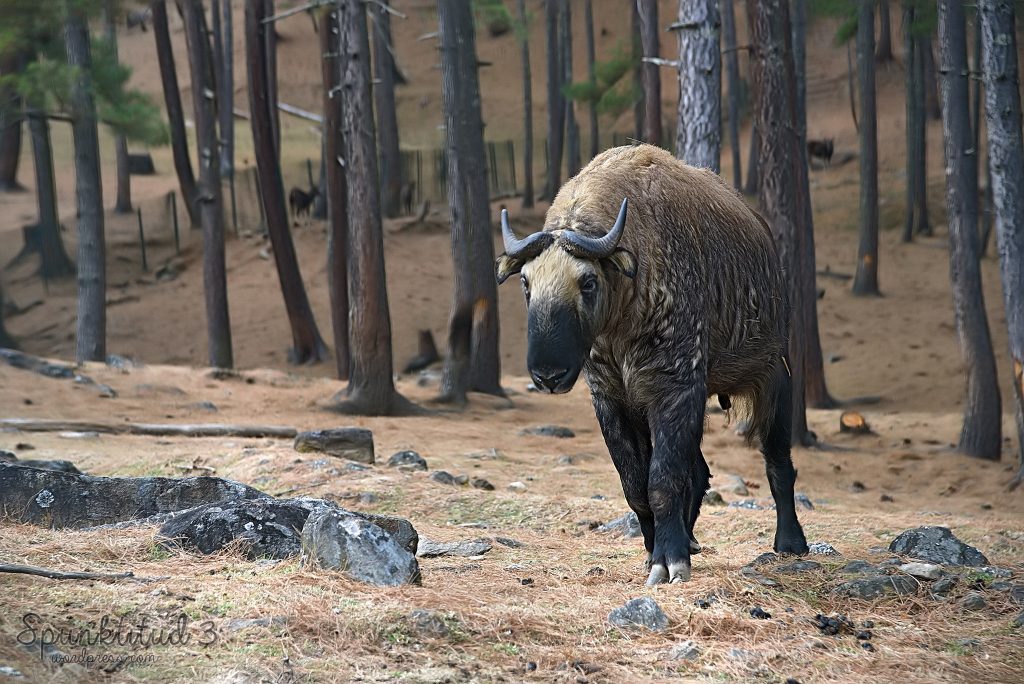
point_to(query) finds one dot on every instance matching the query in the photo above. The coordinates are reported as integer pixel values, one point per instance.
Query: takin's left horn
(597, 248)
(528, 247)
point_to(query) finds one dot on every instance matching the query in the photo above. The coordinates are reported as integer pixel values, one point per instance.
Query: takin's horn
(528, 247)
(596, 248)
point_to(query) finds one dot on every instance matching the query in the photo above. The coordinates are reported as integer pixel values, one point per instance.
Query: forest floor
(535, 612)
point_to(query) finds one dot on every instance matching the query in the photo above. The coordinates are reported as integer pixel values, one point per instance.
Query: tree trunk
(210, 203)
(227, 91)
(92, 276)
(123, 204)
(922, 225)
(931, 83)
(524, 45)
(10, 127)
(307, 346)
(817, 394)
(572, 129)
(884, 50)
(637, 52)
(336, 191)
(595, 139)
(1006, 157)
(268, 10)
(387, 118)
(865, 283)
(556, 104)
(698, 126)
(175, 114)
(910, 43)
(753, 172)
(732, 73)
(475, 293)
(980, 436)
(650, 78)
(54, 259)
(775, 111)
(6, 341)
(371, 388)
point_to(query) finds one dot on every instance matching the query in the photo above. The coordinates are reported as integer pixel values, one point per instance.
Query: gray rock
(713, 498)
(859, 567)
(509, 542)
(428, 548)
(407, 460)
(875, 587)
(937, 545)
(684, 650)
(481, 483)
(517, 486)
(803, 501)
(442, 476)
(338, 540)
(266, 528)
(973, 601)
(926, 571)
(822, 549)
(996, 572)
(42, 464)
(626, 526)
(355, 444)
(967, 644)
(11, 672)
(733, 484)
(639, 612)
(765, 558)
(7, 456)
(207, 406)
(78, 501)
(754, 575)
(798, 567)
(945, 585)
(548, 431)
(1018, 621)
(748, 504)
(400, 529)
(427, 623)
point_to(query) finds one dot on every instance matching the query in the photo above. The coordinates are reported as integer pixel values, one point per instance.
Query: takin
(683, 300)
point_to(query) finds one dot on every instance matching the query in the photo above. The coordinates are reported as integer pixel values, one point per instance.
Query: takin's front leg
(677, 481)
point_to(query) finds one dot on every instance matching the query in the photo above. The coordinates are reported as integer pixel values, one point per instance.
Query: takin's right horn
(596, 248)
(528, 247)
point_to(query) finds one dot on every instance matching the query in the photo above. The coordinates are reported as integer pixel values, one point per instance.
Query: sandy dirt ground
(536, 612)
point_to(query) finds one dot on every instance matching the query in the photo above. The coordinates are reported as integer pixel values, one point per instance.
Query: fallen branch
(58, 575)
(34, 364)
(148, 429)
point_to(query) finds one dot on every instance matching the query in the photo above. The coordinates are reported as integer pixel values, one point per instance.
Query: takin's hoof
(678, 571)
(792, 542)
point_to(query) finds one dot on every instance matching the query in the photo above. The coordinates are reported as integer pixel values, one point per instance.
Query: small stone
(626, 526)
(510, 543)
(798, 567)
(759, 613)
(857, 486)
(427, 623)
(1018, 621)
(442, 476)
(206, 406)
(822, 549)
(355, 444)
(973, 601)
(428, 548)
(713, 498)
(944, 585)
(733, 484)
(996, 572)
(564, 460)
(557, 431)
(764, 559)
(595, 571)
(967, 644)
(684, 650)
(461, 479)
(517, 486)
(875, 587)
(481, 483)
(803, 501)
(864, 635)
(937, 545)
(368, 498)
(885, 498)
(8, 671)
(859, 567)
(867, 646)
(639, 612)
(338, 540)
(748, 504)
(922, 570)
(407, 460)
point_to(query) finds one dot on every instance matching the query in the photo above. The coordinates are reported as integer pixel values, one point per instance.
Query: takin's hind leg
(775, 445)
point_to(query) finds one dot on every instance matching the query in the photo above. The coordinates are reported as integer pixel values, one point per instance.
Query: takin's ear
(623, 261)
(506, 267)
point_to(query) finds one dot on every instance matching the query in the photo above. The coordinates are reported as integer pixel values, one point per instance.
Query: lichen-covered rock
(355, 444)
(338, 540)
(876, 587)
(60, 499)
(557, 431)
(429, 548)
(626, 526)
(937, 545)
(640, 612)
(407, 460)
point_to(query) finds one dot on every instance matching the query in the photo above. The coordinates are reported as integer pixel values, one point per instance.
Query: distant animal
(300, 201)
(822, 149)
(681, 299)
(407, 195)
(138, 18)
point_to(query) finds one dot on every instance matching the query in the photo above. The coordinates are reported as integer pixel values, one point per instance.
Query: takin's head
(568, 279)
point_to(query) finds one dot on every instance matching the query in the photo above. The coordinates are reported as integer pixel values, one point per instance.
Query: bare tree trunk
(91, 344)
(227, 91)
(1006, 161)
(337, 190)
(922, 225)
(980, 436)
(371, 388)
(556, 104)
(931, 82)
(572, 129)
(210, 204)
(307, 346)
(753, 171)
(387, 118)
(884, 50)
(268, 9)
(775, 110)
(55, 262)
(850, 88)
(175, 114)
(123, 204)
(595, 138)
(638, 79)
(10, 127)
(865, 283)
(475, 292)
(698, 125)
(524, 45)
(651, 79)
(910, 42)
(732, 72)
(6, 341)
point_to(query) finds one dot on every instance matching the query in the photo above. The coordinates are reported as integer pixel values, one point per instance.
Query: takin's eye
(526, 286)
(588, 285)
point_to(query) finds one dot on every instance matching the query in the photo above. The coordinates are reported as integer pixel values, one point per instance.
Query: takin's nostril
(549, 377)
